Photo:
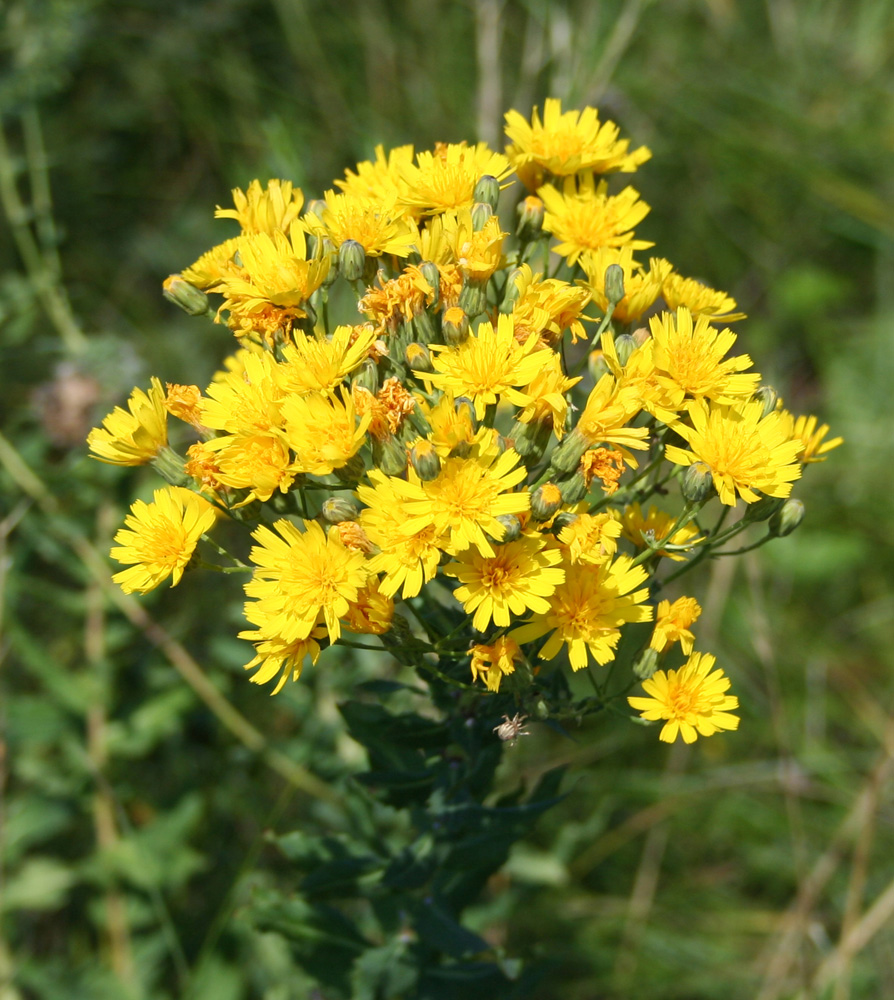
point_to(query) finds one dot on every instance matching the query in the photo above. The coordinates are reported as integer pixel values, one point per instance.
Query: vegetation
(146, 785)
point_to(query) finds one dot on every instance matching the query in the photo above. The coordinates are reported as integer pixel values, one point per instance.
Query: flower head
(517, 578)
(566, 143)
(672, 624)
(745, 450)
(691, 700)
(260, 210)
(300, 577)
(159, 538)
(135, 435)
(495, 661)
(446, 177)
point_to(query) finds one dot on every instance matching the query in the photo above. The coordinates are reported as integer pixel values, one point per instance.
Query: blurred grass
(754, 865)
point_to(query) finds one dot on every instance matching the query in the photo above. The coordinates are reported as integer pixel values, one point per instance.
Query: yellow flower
(372, 612)
(804, 431)
(160, 537)
(407, 560)
(259, 463)
(446, 177)
(744, 450)
(655, 525)
(299, 577)
(185, 403)
(323, 431)
(548, 394)
(286, 658)
(691, 700)
(547, 308)
(319, 364)
(477, 253)
(699, 299)
(689, 359)
(465, 500)
(134, 437)
(495, 661)
(591, 538)
(641, 380)
(376, 225)
(606, 415)
(587, 611)
(641, 288)
(379, 179)
(260, 211)
(672, 624)
(583, 216)
(489, 366)
(567, 143)
(275, 272)
(213, 266)
(245, 399)
(396, 301)
(517, 578)
(451, 425)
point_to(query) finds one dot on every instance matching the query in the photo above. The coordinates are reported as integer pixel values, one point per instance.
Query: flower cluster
(429, 403)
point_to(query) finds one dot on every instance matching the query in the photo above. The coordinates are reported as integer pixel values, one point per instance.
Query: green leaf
(40, 884)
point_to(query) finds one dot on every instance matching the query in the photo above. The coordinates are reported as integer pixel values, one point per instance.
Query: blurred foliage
(147, 789)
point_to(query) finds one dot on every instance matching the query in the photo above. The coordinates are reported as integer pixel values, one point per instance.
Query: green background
(134, 804)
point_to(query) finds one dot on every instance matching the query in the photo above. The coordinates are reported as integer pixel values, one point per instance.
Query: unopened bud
(532, 438)
(367, 376)
(596, 366)
(545, 501)
(433, 276)
(418, 357)
(316, 206)
(768, 396)
(787, 518)
(455, 326)
(512, 293)
(512, 525)
(352, 260)
(487, 191)
(480, 214)
(191, 300)
(331, 251)
(567, 456)
(352, 470)
(530, 218)
(697, 485)
(465, 409)
(424, 327)
(614, 283)
(646, 665)
(762, 509)
(389, 455)
(425, 461)
(574, 488)
(473, 298)
(338, 509)
(625, 345)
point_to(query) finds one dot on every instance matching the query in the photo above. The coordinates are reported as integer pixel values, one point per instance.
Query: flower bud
(330, 251)
(568, 455)
(425, 461)
(337, 509)
(530, 218)
(697, 485)
(455, 326)
(466, 408)
(532, 438)
(512, 292)
(352, 470)
(367, 376)
(487, 191)
(762, 509)
(625, 345)
(424, 327)
(418, 357)
(787, 518)
(433, 276)
(389, 455)
(191, 300)
(316, 206)
(170, 466)
(480, 214)
(512, 525)
(646, 665)
(596, 366)
(614, 283)
(545, 501)
(352, 260)
(767, 395)
(574, 488)
(473, 298)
